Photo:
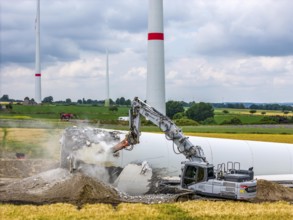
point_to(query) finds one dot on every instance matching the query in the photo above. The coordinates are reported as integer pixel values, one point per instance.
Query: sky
(215, 50)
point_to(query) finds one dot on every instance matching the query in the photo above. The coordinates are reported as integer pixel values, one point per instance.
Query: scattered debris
(61, 186)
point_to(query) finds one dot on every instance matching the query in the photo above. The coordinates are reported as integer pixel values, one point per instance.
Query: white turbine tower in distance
(38, 89)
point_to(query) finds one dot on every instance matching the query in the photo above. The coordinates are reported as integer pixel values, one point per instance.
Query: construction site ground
(37, 181)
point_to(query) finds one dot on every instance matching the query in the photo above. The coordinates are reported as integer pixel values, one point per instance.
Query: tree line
(127, 102)
(182, 113)
(277, 107)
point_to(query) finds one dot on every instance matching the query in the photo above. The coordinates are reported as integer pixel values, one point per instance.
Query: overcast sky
(215, 50)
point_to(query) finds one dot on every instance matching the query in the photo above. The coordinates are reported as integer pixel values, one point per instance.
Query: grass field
(241, 129)
(185, 210)
(53, 112)
(89, 112)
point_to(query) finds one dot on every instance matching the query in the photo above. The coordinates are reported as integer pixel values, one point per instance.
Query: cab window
(200, 176)
(190, 175)
(211, 174)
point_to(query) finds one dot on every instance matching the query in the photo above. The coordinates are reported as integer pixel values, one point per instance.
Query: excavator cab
(193, 173)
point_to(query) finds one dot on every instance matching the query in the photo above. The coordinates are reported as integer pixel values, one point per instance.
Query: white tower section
(107, 100)
(38, 96)
(156, 62)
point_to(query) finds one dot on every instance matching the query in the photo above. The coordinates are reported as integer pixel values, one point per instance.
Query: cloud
(218, 28)
(233, 50)
(243, 79)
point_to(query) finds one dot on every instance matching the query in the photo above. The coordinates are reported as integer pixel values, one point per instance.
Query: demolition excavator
(226, 181)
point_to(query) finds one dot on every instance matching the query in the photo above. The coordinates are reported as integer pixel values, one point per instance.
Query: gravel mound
(269, 192)
(59, 185)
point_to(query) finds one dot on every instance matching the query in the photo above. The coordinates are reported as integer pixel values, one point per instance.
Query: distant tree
(68, 101)
(9, 106)
(112, 102)
(173, 107)
(263, 113)
(271, 107)
(113, 108)
(200, 111)
(79, 101)
(48, 99)
(254, 106)
(179, 115)
(128, 102)
(232, 121)
(4, 98)
(236, 121)
(186, 122)
(89, 101)
(225, 111)
(26, 98)
(252, 111)
(229, 105)
(120, 101)
(209, 121)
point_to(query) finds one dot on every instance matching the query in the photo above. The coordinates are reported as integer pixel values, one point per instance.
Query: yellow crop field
(14, 117)
(42, 135)
(258, 112)
(185, 210)
(279, 138)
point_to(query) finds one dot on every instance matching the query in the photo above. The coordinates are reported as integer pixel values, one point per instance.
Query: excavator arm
(172, 132)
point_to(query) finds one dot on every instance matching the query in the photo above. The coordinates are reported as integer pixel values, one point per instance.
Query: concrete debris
(60, 186)
(86, 145)
(135, 179)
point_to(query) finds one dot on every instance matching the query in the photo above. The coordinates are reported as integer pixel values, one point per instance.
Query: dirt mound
(58, 185)
(21, 168)
(269, 192)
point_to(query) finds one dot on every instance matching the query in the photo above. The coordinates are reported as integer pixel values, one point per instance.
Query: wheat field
(184, 210)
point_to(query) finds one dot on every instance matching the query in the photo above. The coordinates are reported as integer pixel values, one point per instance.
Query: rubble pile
(269, 191)
(58, 185)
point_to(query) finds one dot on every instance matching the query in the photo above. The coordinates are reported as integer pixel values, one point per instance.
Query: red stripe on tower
(156, 36)
(38, 74)
(156, 61)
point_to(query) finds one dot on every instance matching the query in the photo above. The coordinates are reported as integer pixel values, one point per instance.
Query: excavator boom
(172, 132)
(197, 174)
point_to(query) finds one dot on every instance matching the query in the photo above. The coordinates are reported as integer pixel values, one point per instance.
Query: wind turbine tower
(156, 61)
(38, 96)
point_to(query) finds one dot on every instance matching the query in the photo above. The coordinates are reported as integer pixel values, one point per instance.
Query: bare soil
(27, 182)
(269, 192)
